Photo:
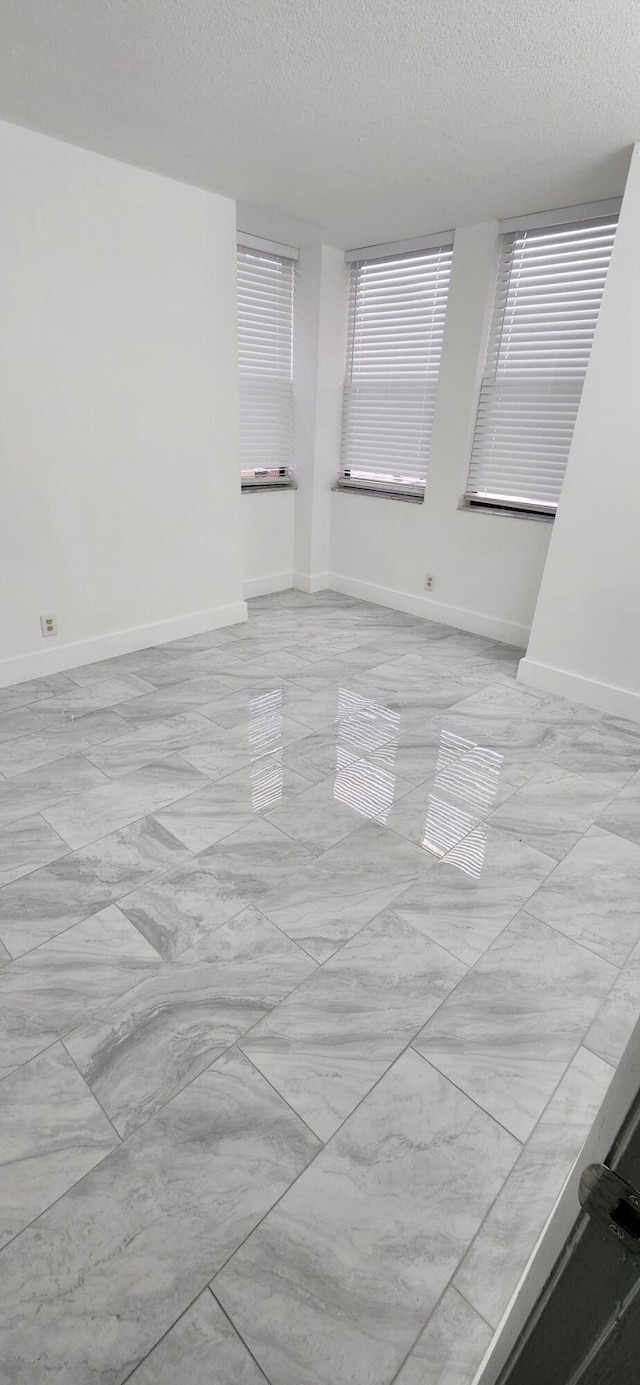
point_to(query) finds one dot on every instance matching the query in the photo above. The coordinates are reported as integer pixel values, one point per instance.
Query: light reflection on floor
(465, 771)
(366, 785)
(265, 743)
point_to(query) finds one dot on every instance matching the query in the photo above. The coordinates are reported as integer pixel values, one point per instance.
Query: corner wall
(585, 641)
(120, 507)
(268, 519)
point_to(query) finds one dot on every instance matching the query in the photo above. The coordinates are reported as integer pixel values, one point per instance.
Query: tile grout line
(238, 1333)
(119, 1137)
(447, 1288)
(325, 1146)
(525, 1144)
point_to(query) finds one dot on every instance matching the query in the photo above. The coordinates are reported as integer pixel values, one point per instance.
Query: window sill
(407, 497)
(506, 512)
(286, 483)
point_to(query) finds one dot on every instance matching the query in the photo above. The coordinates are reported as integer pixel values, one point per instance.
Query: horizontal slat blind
(397, 311)
(548, 295)
(265, 334)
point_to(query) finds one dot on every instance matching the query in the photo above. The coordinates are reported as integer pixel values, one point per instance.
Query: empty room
(319, 690)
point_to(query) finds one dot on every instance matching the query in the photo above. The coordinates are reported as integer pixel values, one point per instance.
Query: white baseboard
(507, 631)
(311, 582)
(57, 658)
(264, 586)
(619, 702)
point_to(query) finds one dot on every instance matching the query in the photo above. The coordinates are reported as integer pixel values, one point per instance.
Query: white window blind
(397, 308)
(265, 336)
(548, 295)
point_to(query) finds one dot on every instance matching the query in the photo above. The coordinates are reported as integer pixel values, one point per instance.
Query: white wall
(286, 533)
(120, 507)
(487, 568)
(319, 354)
(585, 641)
(267, 526)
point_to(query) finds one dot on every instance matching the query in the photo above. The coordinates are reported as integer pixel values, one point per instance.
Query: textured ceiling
(356, 120)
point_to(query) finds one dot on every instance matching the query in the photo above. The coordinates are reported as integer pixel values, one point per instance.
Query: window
(265, 335)
(548, 295)
(397, 307)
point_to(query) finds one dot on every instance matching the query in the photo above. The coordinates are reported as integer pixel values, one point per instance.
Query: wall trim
(312, 581)
(476, 622)
(57, 658)
(263, 586)
(606, 697)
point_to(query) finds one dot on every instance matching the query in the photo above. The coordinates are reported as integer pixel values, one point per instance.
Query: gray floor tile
(139, 662)
(18, 722)
(41, 747)
(256, 858)
(87, 1293)
(451, 1347)
(523, 745)
(218, 754)
(150, 744)
(324, 673)
(553, 810)
(326, 1045)
(415, 696)
(100, 811)
(572, 717)
(474, 891)
(497, 701)
(347, 1304)
(27, 844)
(38, 788)
(183, 909)
(316, 869)
(603, 752)
(332, 898)
(262, 709)
(52, 1133)
(22, 694)
(52, 899)
(205, 817)
(145, 1047)
(622, 815)
(169, 702)
(490, 1271)
(64, 981)
(313, 755)
(266, 732)
(618, 1015)
(445, 808)
(328, 811)
(593, 895)
(202, 1348)
(510, 1029)
(55, 711)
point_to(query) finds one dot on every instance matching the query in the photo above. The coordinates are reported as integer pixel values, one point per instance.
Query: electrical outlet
(428, 582)
(48, 626)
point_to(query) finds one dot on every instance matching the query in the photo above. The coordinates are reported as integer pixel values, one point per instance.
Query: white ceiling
(357, 121)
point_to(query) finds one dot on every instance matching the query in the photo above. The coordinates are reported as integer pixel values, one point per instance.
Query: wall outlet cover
(48, 626)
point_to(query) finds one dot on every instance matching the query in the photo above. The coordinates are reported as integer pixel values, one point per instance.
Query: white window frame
(254, 477)
(567, 390)
(408, 257)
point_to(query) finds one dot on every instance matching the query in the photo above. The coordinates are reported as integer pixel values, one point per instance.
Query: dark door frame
(604, 1134)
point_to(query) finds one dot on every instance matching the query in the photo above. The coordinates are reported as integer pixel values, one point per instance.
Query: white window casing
(397, 308)
(265, 344)
(548, 293)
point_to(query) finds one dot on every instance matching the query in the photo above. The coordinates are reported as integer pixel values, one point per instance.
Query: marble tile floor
(319, 944)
